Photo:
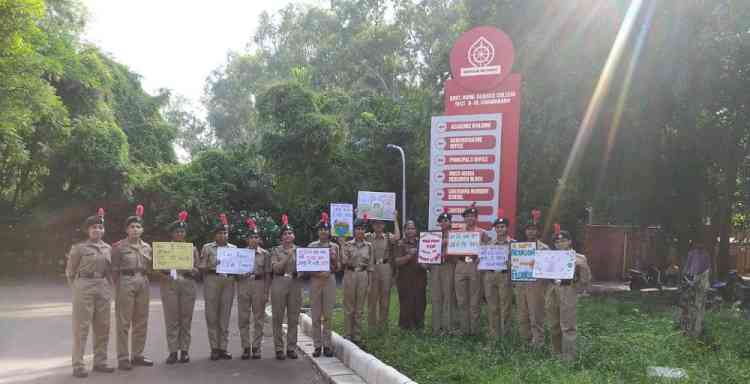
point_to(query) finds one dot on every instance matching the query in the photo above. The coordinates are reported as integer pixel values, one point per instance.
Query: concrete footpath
(36, 342)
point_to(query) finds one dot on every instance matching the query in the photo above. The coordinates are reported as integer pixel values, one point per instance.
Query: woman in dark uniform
(411, 280)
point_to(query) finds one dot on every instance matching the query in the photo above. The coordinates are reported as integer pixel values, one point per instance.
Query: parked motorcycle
(650, 278)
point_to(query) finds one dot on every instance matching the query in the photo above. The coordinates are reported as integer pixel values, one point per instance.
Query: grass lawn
(619, 336)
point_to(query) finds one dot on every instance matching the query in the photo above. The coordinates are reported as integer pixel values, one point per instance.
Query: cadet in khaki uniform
(467, 283)
(561, 301)
(178, 299)
(441, 283)
(131, 262)
(358, 260)
(88, 273)
(286, 292)
(381, 280)
(323, 292)
(218, 292)
(252, 294)
(530, 295)
(411, 280)
(497, 288)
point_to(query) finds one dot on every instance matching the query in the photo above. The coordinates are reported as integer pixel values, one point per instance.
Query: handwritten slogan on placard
(342, 217)
(376, 205)
(430, 248)
(522, 261)
(493, 257)
(170, 255)
(313, 259)
(235, 261)
(557, 265)
(464, 243)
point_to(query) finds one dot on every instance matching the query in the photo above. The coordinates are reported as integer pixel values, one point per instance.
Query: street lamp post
(403, 179)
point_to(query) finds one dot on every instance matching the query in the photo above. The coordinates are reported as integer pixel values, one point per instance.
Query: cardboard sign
(522, 261)
(377, 205)
(235, 261)
(430, 248)
(313, 259)
(493, 257)
(342, 220)
(556, 265)
(173, 255)
(464, 243)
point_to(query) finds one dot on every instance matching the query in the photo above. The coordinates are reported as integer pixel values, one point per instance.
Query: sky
(174, 44)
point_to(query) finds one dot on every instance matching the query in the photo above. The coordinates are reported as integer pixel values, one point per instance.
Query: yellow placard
(173, 256)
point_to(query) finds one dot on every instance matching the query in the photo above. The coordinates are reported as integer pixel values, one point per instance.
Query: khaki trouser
(323, 298)
(379, 296)
(178, 300)
(355, 292)
(467, 286)
(499, 295)
(443, 295)
(561, 312)
(132, 306)
(530, 299)
(251, 302)
(91, 298)
(286, 297)
(218, 294)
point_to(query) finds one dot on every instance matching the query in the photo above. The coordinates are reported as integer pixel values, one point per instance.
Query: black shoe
(328, 352)
(292, 354)
(245, 354)
(256, 353)
(172, 358)
(103, 369)
(280, 355)
(143, 362)
(124, 365)
(317, 352)
(224, 355)
(80, 372)
(215, 354)
(184, 357)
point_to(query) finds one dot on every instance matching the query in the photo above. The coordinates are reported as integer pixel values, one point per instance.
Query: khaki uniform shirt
(209, 256)
(131, 257)
(284, 261)
(88, 258)
(359, 254)
(262, 261)
(382, 245)
(335, 255)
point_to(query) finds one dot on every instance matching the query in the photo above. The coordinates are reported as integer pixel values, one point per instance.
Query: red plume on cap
(100, 212)
(139, 210)
(251, 223)
(557, 229)
(324, 217)
(535, 215)
(445, 209)
(183, 216)
(500, 213)
(223, 218)
(284, 219)
(364, 217)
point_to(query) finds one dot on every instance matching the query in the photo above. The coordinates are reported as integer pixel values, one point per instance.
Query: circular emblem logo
(481, 58)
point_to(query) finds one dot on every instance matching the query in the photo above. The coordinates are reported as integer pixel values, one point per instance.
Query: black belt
(565, 282)
(356, 269)
(213, 272)
(90, 275)
(383, 261)
(254, 276)
(131, 272)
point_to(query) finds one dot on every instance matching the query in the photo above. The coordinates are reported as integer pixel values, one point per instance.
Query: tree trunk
(728, 188)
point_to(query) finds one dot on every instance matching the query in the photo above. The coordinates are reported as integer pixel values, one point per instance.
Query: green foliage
(618, 338)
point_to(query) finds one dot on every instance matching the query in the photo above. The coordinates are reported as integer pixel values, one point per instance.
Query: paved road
(36, 340)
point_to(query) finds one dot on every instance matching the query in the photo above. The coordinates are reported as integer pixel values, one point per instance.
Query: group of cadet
(370, 263)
